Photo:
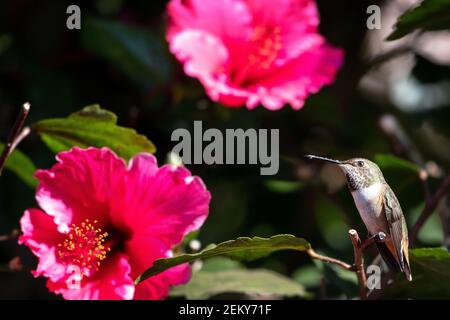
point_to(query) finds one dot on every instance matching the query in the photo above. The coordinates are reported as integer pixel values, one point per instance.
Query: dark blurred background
(120, 60)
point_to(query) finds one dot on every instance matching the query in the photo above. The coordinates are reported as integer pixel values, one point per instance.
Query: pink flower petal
(156, 287)
(235, 64)
(142, 211)
(41, 236)
(78, 186)
(111, 282)
(303, 13)
(166, 202)
(203, 54)
(317, 67)
(227, 19)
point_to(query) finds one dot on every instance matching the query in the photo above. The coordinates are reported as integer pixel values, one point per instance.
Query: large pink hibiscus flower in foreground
(108, 222)
(250, 52)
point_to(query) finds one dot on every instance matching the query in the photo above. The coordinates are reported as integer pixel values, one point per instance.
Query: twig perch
(313, 254)
(359, 263)
(358, 266)
(16, 135)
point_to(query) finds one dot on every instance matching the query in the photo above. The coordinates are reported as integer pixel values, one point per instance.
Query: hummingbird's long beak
(312, 157)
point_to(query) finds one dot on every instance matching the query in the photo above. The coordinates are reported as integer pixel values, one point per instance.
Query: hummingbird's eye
(360, 163)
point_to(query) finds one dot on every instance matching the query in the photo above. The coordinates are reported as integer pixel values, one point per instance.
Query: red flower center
(268, 42)
(84, 246)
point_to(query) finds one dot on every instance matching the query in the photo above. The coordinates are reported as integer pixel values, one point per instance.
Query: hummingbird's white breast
(369, 202)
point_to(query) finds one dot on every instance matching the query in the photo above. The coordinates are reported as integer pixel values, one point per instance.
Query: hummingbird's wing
(397, 229)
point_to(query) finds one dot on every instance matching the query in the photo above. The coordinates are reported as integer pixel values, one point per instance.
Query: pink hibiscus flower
(102, 223)
(251, 52)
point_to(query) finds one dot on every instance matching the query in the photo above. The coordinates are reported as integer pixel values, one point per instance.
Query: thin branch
(387, 56)
(14, 265)
(399, 139)
(393, 130)
(379, 237)
(359, 263)
(13, 235)
(444, 216)
(358, 266)
(443, 209)
(430, 206)
(314, 255)
(22, 135)
(15, 136)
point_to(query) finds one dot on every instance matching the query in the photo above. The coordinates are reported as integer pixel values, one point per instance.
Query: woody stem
(314, 255)
(358, 251)
(16, 135)
(358, 266)
(430, 207)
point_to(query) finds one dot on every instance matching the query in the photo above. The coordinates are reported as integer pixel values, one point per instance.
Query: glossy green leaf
(431, 233)
(428, 16)
(283, 186)
(309, 276)
(339, 281)
(92, 126)
(331, 221)
(136, 52)
(216, 264)
(244, 249)
(403, 177)
(22, 166)
(204, 285)
(431, 276)
(388, 161)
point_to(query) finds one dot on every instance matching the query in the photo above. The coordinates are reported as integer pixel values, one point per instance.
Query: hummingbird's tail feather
(407, 268)
(388, 257)
(407, 272)
(392, 262)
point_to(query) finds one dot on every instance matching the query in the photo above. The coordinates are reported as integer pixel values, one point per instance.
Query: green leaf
(332, 224)
(22, 166)
(244, 249)
(428, 16)
(309, 276)
(92, 126)
(403, 177)
(388, 161)
(216, 264)
(189, 237)
(431, 233)
(339, 283)
(344, 281)
(431, 276)
(137, 53)
(283, 186)
(204, 285)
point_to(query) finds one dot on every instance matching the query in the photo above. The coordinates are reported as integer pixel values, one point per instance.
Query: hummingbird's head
(360, 173)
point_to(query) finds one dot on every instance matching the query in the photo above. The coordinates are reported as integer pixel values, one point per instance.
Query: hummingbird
(379, 209)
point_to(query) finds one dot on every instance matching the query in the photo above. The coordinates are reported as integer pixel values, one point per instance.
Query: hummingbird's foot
(379, 237)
